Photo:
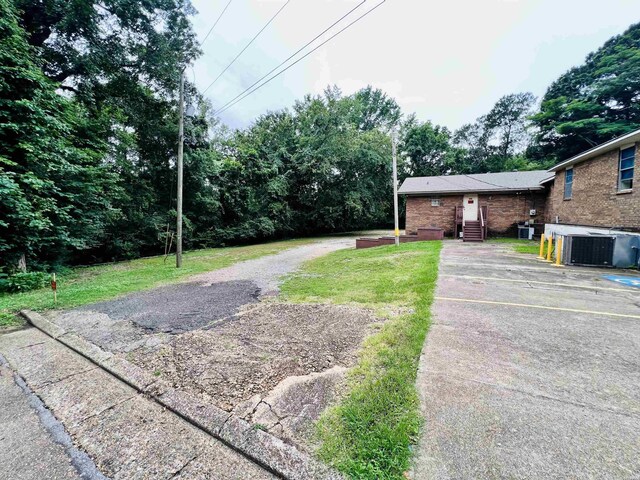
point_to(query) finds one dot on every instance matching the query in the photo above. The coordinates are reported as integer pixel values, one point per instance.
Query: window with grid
(625, 169)
(568, 183)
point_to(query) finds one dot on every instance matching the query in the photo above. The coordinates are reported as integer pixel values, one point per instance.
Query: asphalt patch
(180, 308)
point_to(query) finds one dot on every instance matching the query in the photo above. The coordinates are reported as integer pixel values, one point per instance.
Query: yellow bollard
(549, 249)
(541, 256)
(558, 252)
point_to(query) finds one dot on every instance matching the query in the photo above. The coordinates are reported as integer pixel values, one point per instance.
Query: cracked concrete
(209, 342)
(259, 349)
(33, 444)
(291, 408)
(127, 435)
(515, 392)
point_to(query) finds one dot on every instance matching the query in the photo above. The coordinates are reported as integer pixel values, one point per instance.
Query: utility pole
(395, 187)
(180, 167)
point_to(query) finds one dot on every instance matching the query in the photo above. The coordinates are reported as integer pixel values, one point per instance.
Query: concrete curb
(266, 450)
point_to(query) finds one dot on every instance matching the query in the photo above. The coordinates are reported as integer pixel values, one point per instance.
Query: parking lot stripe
(543, 307)
(514, 266)
(572, 285)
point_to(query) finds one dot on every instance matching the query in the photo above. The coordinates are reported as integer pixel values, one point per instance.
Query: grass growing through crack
(92, 284)
(368, 435)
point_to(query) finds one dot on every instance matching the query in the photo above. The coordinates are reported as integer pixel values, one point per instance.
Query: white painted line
(543, 307)
(556, 284)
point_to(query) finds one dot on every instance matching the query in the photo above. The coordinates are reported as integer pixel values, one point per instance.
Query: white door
(470, 210)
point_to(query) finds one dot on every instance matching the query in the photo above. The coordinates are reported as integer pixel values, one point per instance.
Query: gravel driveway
(223, 338)
(206, 300)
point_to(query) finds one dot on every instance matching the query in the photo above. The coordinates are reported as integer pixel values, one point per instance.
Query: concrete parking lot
(529, 371)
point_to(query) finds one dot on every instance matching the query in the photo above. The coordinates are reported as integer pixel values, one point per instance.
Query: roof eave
(460, 192)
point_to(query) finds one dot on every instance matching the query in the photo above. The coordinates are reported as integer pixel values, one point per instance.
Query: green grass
(519, 246)
(91, 284)
(369, 433)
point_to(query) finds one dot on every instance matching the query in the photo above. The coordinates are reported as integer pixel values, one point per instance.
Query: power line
(246, 46)
(300, 59)
(293, 54)
(215, 23)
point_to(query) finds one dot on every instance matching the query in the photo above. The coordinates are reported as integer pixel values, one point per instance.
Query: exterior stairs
(472, 231)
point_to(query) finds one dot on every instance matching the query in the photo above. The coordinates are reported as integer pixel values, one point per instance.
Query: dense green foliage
(369, 433)
(88, 139)
(593, 102)
(53, 178)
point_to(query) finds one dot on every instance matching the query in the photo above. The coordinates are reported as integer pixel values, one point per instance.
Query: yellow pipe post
(549, 247)
(559, 252)
(541, 256)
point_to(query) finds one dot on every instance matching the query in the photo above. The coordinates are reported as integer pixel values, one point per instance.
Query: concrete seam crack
(185, 466)
(104, 410)
(32, 345)
(541, 395)
(48, 384)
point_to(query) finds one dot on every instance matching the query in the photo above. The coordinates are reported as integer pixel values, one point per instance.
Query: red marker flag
(54, 287)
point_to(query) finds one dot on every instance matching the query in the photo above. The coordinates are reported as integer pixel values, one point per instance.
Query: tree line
(88, 139)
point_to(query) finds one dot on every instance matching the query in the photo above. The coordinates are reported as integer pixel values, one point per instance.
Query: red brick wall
(420, 213)
(504, 211)
(595, 200)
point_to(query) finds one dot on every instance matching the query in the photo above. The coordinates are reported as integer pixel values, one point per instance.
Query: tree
(426, 148)
(52, 180)
(592, 103)
(507, 123)
(495, 139)
(373, 109)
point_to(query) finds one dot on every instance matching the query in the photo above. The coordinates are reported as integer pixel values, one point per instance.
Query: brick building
(495, 203)
(596, 187)
(593, 190)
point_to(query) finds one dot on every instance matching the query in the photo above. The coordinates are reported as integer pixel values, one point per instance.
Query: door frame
(470, 210)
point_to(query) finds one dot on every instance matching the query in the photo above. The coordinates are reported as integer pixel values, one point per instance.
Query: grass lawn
(91, 284)
(519, 246)
(368, 435)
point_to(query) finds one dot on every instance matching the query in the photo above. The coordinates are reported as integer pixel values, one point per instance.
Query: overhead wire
(247, 46)
(251, 90)
(215, 23)
(230, 102)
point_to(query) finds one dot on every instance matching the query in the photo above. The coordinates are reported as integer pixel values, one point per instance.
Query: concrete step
(124, 432)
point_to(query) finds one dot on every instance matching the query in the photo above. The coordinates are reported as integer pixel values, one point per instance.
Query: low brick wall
(367, 242)
(430, 233)
(424, 234)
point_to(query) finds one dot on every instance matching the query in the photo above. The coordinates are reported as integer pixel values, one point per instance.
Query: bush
(23, 282)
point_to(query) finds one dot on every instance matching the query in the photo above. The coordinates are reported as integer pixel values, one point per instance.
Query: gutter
(462, 192)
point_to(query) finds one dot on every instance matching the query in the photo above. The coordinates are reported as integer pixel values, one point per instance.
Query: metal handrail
(481, 216)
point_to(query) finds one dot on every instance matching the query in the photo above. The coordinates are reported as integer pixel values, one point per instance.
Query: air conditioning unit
(589, 250)
(525, 232)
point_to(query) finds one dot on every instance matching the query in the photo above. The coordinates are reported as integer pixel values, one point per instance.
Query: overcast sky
(448, 60)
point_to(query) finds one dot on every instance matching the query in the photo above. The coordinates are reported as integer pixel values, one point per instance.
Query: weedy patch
(370, 432)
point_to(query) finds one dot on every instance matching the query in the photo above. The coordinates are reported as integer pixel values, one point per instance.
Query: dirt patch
(250, 354)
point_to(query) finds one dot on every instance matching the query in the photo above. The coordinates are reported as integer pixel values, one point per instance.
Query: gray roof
(474, 183)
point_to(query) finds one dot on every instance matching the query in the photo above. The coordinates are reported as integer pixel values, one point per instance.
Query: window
(568, 183)
(435, 202)
(625, 168)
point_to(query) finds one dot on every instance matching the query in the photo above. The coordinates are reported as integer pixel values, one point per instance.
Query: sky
(448, 61)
